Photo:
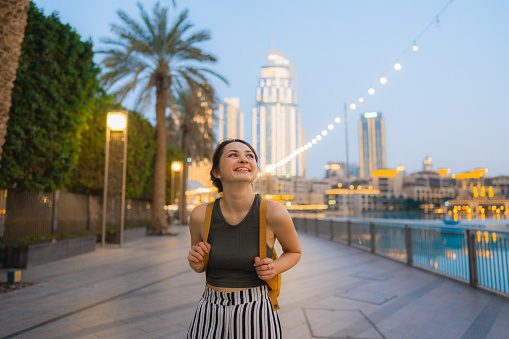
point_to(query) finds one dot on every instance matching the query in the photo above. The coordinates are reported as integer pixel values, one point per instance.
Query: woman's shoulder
(198, 213)
(276, 210)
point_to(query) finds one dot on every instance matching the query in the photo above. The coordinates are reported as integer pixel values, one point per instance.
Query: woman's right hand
(196, 255)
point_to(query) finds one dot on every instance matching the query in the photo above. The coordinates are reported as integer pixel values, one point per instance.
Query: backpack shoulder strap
(208, 218)
(263, 229)
(263, 253)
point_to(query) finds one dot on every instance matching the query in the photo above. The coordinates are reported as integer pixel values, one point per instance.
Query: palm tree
(13, 20)
(158, 61)
(191, 127)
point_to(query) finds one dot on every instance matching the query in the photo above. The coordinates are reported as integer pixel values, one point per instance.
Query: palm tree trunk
(159, 222)
(183, 198)
(183, 185)
(13, 20)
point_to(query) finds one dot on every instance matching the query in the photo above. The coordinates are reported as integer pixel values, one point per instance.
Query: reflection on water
(447, 252)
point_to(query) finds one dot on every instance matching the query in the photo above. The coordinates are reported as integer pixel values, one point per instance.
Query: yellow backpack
(273, 284)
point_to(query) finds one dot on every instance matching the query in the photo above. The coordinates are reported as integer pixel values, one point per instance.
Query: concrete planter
(38, 254)
(131, 234)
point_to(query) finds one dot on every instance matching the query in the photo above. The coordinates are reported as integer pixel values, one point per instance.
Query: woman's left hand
(265, 268)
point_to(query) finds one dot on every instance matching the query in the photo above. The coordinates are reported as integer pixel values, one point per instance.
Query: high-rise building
(231, 119)
(371, 143)
(276, 125)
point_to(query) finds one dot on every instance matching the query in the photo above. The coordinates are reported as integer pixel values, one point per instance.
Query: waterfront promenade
(147, 290)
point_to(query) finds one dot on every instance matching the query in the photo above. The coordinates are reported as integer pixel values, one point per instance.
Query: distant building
(426, 164)
(401, 169)
(231, 119)
(276, 124)
(371, 143)
(346, 201)
(428, 186)
(501, 185)
(301, 190)
(388, 182)
(473, 184)
(338, 170)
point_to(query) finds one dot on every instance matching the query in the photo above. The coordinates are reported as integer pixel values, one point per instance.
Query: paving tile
(378, 276)
(338, 323)
(371, 297)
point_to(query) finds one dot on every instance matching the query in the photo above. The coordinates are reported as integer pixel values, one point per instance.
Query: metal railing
(479, 257)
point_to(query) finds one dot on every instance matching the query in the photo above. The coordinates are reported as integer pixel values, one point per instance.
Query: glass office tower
(276, 125)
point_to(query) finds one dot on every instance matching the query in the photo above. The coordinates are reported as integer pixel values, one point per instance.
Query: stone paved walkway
(147, 290)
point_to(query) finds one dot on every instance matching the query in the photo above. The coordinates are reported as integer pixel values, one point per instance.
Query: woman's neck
(237, 198)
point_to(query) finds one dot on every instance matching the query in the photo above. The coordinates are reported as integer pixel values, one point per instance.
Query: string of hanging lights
(371, 91)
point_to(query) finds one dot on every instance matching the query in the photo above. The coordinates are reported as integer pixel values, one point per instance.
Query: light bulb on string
(353, 106)
(397, 66)
(438, 22)
(383, 80)
(314, 141)
(324, 132)
(337, 120)
(371, 91)
(331, 126)
(361, 99)
(415, 48)
(318, 137)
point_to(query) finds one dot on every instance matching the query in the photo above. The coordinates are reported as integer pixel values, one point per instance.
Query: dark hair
(217, 156)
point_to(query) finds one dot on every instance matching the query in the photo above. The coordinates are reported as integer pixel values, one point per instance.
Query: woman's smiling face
(238, 162)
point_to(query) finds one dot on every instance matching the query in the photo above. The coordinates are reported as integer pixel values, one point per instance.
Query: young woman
(235, 303)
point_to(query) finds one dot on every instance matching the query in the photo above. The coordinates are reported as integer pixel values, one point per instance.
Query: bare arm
(280, 225)
(198, 247)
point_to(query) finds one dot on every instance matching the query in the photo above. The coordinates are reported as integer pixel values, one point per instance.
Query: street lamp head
(116, 121)
(176, 166)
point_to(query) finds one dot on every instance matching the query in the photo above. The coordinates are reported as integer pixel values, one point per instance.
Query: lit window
(289, 98)
(265, 93)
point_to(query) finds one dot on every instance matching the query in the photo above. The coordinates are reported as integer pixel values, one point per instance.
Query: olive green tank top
(234, 248)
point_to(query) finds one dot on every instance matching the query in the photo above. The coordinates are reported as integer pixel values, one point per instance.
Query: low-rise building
(429, 187)
(345, 201)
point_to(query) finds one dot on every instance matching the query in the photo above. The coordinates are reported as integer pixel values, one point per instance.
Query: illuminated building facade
(231, 120)
(371, 143)
(276, 124)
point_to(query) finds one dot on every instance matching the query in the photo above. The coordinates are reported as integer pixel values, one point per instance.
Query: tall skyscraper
(371, 143)
(276, 125)
(231, 119)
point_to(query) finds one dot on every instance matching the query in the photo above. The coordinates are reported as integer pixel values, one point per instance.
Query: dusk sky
(449, 101)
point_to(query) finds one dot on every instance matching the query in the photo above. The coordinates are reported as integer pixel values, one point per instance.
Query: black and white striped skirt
(245, 314)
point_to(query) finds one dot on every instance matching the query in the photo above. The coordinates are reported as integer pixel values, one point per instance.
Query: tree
(51, 101)
(158, 60)
(191, 127)
(13, 19)
(88, 174)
